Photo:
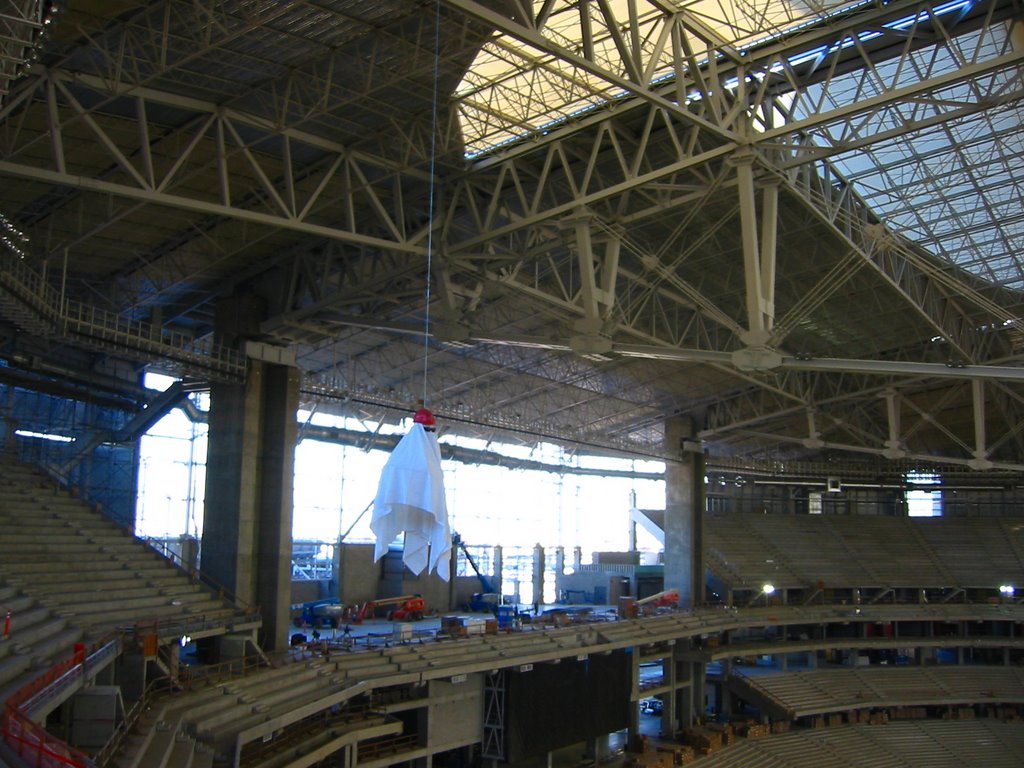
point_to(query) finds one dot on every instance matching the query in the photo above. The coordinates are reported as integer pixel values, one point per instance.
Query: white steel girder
(172, 37)
(758, 413)
(940, 301)
(628, 72)
(353, 180)
(938, 296)
(722, 92)
(759, 249)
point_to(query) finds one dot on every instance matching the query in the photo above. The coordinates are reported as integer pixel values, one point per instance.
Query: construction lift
(669, 598)
(488, 600)
(410, 608)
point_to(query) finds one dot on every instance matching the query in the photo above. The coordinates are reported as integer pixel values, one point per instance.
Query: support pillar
(725, 700)
(684, 513)
(498, 567)
(189, 552)
(669, 710)
(633, 722)
(538, 575)
(247, 536)
(691, 696)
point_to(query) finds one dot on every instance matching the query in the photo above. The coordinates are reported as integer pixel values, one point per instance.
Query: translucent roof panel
(955, 187)
(513, 90)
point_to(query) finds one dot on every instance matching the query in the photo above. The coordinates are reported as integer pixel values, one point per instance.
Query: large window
(172, 472)
(923, 501)
(335, 485)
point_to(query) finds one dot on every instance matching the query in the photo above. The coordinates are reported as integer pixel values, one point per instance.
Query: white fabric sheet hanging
(410, 498)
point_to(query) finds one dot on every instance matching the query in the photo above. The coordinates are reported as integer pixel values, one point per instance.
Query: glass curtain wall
(487, 505)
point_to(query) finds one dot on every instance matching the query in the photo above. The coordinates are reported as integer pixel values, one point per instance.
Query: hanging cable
(430, 198)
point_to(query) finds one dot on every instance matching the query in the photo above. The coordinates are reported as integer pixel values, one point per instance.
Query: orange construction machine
(667, 599)
(409, 608)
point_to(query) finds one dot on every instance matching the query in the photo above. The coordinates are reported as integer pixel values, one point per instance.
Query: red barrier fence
(30, 741)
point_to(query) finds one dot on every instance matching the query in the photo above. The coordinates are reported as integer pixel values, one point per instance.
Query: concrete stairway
(84, 567)
(271, 700)
(162, 744)
(38, 639)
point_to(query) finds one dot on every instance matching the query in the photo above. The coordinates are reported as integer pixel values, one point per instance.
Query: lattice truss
(23, 25)
(750, 213)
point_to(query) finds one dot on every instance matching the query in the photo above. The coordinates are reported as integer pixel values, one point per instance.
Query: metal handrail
(123, 729)
(24, 736)
(234, 669)
(162, 548)
(388, 745)
(60, 316)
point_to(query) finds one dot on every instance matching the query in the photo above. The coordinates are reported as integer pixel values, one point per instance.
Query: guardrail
(190, 678)
(31, 742)
(387, 746)
(196, 575)
(190, 624)
(51, 314)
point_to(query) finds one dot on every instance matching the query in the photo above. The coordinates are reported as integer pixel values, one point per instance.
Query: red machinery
(410, 608)
(667, 599)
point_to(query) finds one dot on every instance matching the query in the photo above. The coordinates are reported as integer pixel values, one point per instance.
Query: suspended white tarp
(410, 499)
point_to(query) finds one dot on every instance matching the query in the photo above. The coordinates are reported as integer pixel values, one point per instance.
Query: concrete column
(691, 705)
(669, 710)
(247, 536)
(633, 723)
(633, 728)
(173, 661)
(538, 574)
(496, 579)
(189, 552)
(686, 703)
(684, 513)
(725, 699)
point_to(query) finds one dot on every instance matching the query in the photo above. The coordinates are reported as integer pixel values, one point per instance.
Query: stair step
(32, 636)
(182, 753)
(158, 751)
(12, 667)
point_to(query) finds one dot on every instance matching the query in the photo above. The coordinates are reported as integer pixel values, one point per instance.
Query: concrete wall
(602, 585)
(595, 585)
(359, 580)
(465, 587)
(358, 574)
(308, 591)
(456, 713)
(431, 588)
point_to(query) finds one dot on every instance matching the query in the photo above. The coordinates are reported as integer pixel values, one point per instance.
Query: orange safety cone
(7, 623)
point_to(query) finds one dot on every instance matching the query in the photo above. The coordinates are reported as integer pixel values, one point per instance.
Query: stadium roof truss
(799, 223)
